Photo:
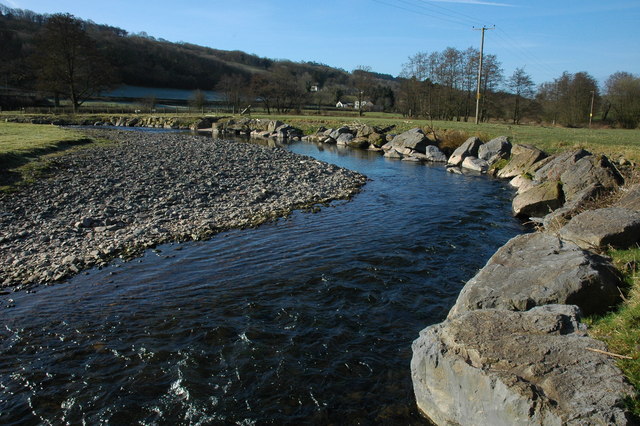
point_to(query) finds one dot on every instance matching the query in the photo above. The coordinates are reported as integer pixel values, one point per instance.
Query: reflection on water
(306, 320)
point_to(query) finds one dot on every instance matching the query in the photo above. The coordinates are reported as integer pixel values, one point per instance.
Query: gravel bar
(152, 188)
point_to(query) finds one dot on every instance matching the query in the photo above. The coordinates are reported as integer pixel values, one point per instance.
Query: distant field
(612, 142)
(136, 92)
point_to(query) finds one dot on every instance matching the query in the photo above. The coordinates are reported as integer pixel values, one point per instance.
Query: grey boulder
(523, 157)
(587, 171)
(538, 200)
(555, 220)
(468, 149)
(432, 154)
(335, 133)
(414, 139)
(496, 148)
(613, 226)
(344, 138)
(393, 153)
(541, 269)
(630, 198)
(558, 164)
(475, 164)
(493, 367)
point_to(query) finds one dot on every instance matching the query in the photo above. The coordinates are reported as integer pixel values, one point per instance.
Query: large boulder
(393, 153)
(555, 220)
(540, 269)
(360, 143)
(630, 198)
(468, 149)
(613, 226)
(538, 200)
(558, 164)
(365, 131)
(344, 138)
(475, 164)
(493, 367)
(434, 154)
(272, 125)
(523, 157)
(413, 139)
(588, 171)
(376, 139)
(335, 133)
(495, 149)
(522, 183)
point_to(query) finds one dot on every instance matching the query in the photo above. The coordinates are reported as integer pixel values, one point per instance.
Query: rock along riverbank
(149, 189)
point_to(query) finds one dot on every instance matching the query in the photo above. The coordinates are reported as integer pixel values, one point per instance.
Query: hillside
(142, 60)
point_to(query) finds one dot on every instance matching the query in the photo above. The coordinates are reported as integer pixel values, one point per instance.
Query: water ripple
(305, 320)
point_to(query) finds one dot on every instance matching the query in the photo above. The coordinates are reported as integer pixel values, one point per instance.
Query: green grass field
(23, 139)
(24, 147)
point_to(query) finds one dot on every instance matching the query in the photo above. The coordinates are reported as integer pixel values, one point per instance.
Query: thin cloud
(476, 2)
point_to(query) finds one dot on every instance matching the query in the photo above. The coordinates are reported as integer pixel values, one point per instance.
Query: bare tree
(149, 103)
(470, 59)
(198, 100)
(363, 82)
(233, 88)
(623, 94)
(568, 98)
(492, 78)
(522, 86)
(68, 61)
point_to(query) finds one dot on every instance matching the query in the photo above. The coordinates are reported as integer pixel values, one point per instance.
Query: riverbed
(307, 319)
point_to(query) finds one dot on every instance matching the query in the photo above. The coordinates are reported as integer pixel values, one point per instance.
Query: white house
(365, 105)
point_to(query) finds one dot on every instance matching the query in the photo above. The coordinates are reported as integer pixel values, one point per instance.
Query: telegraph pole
(483, 29)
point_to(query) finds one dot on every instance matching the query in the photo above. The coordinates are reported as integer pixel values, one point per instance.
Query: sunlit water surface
(307, 320)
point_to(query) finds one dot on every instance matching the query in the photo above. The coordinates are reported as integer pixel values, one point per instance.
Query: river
(308, 319)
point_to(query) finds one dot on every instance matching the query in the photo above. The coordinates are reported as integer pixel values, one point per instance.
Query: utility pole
(483, 29)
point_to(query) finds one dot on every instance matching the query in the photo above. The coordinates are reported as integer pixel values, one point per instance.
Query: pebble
(149, 189)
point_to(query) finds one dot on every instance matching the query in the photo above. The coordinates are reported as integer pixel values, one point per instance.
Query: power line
(528, 57)
(428, 8)
(470, 19)
(420, 10)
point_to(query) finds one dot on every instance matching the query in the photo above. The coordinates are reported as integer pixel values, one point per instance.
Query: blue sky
(546, 37)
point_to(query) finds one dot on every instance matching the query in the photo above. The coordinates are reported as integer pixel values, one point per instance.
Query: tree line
(63, 57)
(442, 85)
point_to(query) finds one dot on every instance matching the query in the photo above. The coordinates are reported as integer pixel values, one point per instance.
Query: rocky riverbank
(512, 349)
(149, 189)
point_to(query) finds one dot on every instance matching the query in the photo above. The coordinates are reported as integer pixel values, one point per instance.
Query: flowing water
(307, 320)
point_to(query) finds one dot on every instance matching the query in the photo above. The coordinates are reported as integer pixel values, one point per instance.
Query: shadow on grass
(11, 162)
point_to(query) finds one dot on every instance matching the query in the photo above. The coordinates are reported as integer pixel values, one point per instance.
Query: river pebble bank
(149, 189)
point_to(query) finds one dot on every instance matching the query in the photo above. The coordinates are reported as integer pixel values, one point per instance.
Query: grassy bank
(612, 142)
(621, 329)
(26, 148)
